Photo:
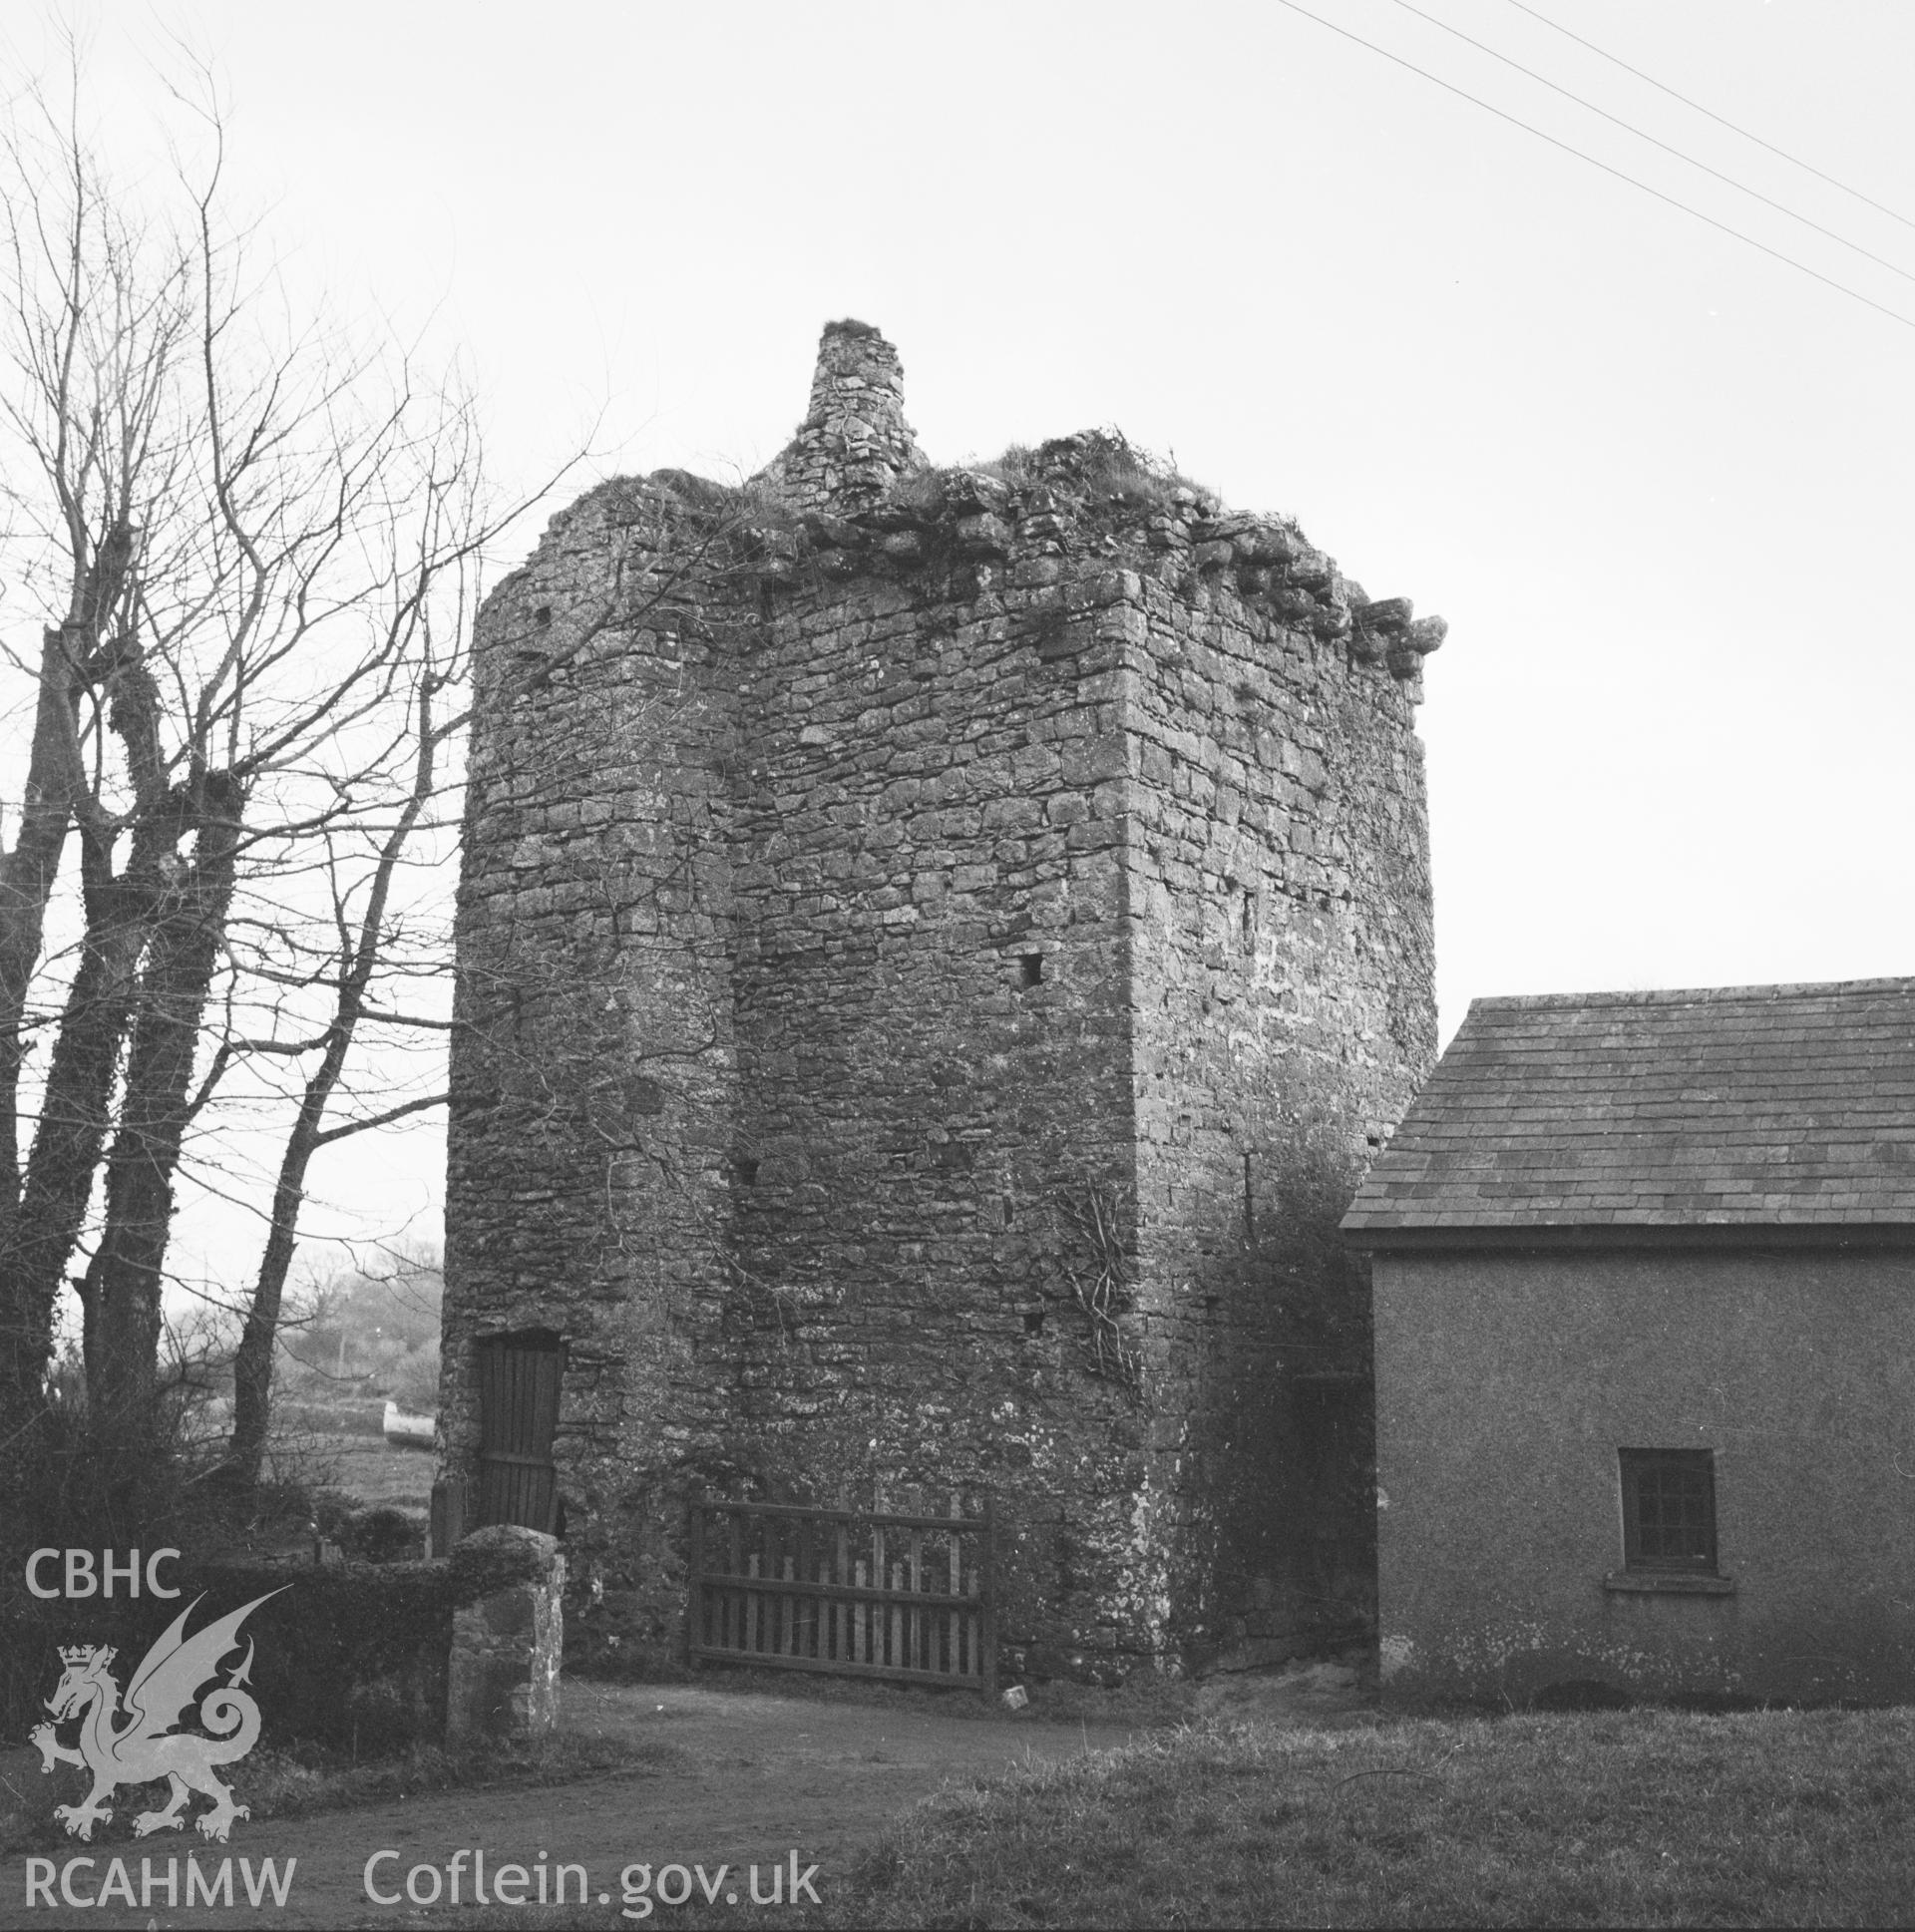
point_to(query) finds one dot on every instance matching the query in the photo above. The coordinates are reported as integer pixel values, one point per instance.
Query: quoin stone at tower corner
(937, 949)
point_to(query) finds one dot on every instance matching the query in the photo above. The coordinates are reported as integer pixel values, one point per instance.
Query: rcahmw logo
(161, 1883)
(145, 1747)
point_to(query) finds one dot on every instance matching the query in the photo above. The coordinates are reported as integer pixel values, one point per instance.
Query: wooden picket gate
(853, 1593)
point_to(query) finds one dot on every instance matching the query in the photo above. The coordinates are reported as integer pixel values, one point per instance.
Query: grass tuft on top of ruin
(1101, 470)
(1104, 466)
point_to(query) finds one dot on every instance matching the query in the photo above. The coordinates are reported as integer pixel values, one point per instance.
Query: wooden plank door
(518, 1383)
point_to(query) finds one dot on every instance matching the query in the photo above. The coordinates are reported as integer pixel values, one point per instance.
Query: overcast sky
(1658, 481)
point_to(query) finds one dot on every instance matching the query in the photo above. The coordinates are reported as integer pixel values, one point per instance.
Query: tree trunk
(121, 1295)
(70, 659)
(76, 1109)
(27, 873)
(252, 1365)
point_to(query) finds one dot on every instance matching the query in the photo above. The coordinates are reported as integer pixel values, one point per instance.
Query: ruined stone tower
(937, 948)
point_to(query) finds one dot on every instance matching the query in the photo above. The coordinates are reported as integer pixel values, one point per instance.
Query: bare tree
(257, 546)
(367, 952)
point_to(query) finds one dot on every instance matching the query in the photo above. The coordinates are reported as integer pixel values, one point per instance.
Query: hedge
(348, 1655)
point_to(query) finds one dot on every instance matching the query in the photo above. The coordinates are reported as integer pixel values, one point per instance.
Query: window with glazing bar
(1669, 1510)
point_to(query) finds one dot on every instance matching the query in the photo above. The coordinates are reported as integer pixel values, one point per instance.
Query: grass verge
(1623, 1819)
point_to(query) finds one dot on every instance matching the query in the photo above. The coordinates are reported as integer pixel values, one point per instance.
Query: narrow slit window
(1031, 966)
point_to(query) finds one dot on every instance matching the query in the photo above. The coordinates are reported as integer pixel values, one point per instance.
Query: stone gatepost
(508, 1634)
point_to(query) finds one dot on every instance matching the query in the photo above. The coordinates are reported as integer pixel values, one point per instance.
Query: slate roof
(1641, 1117)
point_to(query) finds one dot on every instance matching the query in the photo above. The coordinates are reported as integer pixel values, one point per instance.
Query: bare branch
(399, 1112)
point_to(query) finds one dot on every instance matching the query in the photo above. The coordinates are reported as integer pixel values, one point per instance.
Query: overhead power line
(1450, 87)
(1629, 127)
(1795, 161)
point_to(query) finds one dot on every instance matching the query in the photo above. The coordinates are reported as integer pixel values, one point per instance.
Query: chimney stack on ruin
(854, 443)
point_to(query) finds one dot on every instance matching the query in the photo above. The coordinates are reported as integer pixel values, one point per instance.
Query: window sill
(1668, 1583)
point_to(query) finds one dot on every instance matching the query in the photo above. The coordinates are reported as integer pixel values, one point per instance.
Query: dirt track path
(752, 1778)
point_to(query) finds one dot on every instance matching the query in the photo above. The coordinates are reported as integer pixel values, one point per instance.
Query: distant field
(376, 1473)
(340, 1444)
(357, 1415)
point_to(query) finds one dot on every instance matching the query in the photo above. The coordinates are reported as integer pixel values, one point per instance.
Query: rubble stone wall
(507, 1636)
(896, 901)
(933, 1042)
(595, 1093)
(1281, 976)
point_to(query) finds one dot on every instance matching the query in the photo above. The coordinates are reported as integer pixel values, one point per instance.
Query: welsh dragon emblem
(145, 1747)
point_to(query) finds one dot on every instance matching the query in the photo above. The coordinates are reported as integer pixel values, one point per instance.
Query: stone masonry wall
(895, 900)
(508, 1636)
(1281, 981)
(594, 1068)
(934, 1050)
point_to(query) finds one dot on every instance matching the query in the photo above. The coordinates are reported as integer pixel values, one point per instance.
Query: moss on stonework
(497, 1558)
